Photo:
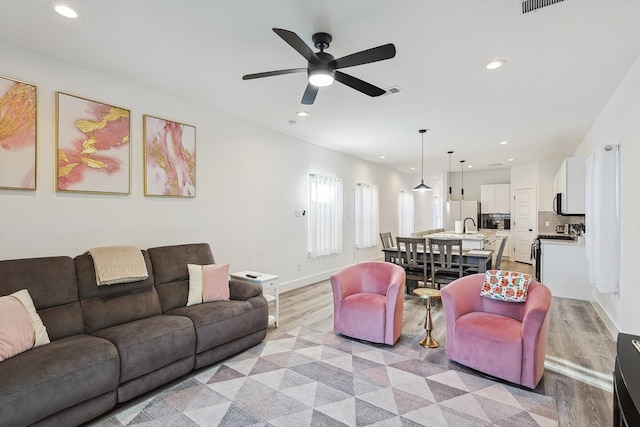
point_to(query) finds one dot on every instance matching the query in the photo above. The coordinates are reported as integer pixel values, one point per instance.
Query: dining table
(482, 259)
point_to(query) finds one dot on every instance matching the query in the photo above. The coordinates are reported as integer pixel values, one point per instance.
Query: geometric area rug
(306, 377)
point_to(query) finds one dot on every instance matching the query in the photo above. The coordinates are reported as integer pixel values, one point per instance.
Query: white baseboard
(314, 278)
(608, 322)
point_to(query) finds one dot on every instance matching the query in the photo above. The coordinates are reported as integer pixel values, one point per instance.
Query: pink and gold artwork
(170, 158)
(93, 146)
(17, 135)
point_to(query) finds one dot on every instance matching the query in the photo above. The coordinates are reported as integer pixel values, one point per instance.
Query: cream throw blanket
(118, 264)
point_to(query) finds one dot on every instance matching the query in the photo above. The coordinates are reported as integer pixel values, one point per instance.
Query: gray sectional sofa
(110, 344)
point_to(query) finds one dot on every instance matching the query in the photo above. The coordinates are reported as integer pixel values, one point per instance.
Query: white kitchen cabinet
(564, 269)
(495, 198)
(570, 181)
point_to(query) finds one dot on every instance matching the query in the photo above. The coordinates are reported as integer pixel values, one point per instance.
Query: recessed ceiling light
(504, 142)
(383, 157)
(495, 64)
(510, 160)
(469, 166)
(65, 11)
(302, 113)
(412, 168)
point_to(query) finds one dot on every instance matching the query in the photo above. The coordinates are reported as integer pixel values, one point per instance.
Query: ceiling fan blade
(273, 73)
(374, 54)
(359, 85)
(296, 42)
(309, 94)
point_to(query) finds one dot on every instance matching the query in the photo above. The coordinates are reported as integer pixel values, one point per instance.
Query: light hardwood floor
(580, 352)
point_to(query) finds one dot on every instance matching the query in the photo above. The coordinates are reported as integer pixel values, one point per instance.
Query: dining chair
(387, 243)
(414, 258)
(474, 270)
(387, 240)
(443, 268)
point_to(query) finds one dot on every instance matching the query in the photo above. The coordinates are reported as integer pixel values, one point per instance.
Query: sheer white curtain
(367, 215)
(603, 218)
(325, 215)
(405, 214)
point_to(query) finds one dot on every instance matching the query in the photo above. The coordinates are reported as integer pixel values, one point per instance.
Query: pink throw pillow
(208, 283)
(20, 326)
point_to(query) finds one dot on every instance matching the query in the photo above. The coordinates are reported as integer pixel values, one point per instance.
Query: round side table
(428, 294)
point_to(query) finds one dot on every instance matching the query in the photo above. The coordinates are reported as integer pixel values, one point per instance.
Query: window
(367, 215)
(325, 215)
(406, 214)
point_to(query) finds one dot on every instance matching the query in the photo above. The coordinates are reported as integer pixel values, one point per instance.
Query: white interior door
(524, 223)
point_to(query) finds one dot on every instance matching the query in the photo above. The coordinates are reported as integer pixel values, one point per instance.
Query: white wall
(424, 201)
(546, 174)
(249, 183)
(474, 179)
(619, 123)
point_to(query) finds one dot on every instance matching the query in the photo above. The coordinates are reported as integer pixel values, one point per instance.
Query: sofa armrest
(536, 309)
(535, 332)
(242, 291)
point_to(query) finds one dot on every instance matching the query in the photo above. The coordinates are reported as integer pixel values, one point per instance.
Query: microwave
(557, 204)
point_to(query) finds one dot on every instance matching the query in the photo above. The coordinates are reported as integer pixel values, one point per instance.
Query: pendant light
(462, 179)
(449, 178)
(461, 187)
(422, 186)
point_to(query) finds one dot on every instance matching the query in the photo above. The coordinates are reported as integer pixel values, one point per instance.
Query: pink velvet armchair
(507, 340)
(368, 299)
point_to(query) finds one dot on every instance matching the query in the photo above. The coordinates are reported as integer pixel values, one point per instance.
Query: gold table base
(427, 294)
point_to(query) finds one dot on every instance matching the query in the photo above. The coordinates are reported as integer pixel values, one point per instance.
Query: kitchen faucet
(464, 224)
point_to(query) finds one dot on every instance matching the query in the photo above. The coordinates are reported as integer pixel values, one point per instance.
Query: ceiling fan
(322, 68)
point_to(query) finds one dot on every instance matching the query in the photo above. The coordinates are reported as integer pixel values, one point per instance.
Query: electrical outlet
(546, 223)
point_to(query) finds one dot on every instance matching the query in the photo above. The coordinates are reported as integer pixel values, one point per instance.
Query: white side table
(269, 283)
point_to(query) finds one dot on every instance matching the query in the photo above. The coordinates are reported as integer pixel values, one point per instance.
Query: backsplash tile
(544, 216)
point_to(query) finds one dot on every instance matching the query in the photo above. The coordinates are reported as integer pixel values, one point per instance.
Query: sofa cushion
(52, 284)
(20, 326)
(219, 322)
(106, 306)
(170, 272)
(490, 342)
(148, 344)
(51, 378)
(208, 283)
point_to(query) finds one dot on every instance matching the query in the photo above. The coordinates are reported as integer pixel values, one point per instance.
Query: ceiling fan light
(321, 78)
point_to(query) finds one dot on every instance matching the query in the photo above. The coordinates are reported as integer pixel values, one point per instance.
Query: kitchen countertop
(576, 242)
(476, 235)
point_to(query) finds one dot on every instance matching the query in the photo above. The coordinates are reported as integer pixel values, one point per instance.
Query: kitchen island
(472, 240)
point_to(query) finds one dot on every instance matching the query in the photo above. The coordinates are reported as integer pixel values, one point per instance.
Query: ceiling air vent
(495, 164)
(393, 90)
(531, 5)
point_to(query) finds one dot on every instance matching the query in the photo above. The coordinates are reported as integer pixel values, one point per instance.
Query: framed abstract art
(169, 158)
(93, 146)
(18, 117)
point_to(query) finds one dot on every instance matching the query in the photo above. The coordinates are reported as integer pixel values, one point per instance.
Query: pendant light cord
(422, 156)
